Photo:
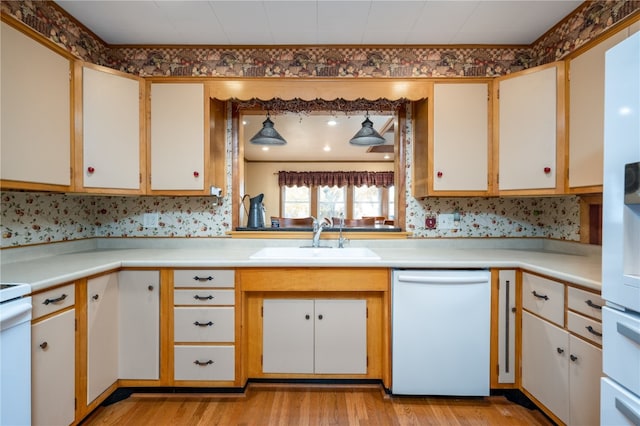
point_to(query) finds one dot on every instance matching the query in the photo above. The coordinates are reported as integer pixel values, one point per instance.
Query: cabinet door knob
(573, 358)
(95, 297)
(439, 174)
(547, 170)
(196, 174)
(307, 317)
(90, 170)
(44, 345)
(150, 288)
(320, 317)
(560, 350)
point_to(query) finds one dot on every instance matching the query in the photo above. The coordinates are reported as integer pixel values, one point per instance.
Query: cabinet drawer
(543, 297)
(204, 324)
(204, 278)
(53, 300)
(585, 302)
(204, 296)
(585, 327)
(204, 363)
(621, 357)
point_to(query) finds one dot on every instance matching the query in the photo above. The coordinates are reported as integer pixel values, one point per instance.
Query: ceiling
(318, 22)
(310, 137)
(312, 22)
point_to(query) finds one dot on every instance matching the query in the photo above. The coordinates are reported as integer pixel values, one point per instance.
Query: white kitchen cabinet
(102, 334)
(460, 147)
(111, 135)
(179, 145)
(36, 114)
(561, 371)
(586, 115)
(53, 370)
(545, 367)
(204, 325)
(306, 336)
(139, 325)
(530, 130)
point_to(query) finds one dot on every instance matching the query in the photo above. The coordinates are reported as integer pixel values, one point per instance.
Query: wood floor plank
(312, 405)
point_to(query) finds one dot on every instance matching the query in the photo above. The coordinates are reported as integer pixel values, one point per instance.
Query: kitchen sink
(297, 253)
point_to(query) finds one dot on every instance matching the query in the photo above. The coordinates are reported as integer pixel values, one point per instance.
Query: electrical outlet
(150, 220)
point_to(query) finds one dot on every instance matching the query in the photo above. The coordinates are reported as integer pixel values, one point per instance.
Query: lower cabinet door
(545, 354)
(341, 337)
(53, 370)
(585, 371)
(102, 334)
(287, 336)
(204, 362)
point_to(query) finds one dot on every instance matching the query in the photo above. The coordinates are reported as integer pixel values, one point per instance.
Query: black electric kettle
(256, 212)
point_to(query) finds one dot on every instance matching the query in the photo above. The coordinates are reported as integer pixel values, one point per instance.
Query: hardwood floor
(288, 404)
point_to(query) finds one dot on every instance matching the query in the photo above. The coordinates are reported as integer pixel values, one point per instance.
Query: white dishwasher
(441, 321)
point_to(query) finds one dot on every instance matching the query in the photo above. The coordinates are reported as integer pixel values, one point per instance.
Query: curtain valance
(338, 178)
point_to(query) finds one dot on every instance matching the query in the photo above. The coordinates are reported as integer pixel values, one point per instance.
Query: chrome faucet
(318, 226)
(341, 239)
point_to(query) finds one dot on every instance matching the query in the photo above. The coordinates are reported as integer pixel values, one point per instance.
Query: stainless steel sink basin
(302, 253)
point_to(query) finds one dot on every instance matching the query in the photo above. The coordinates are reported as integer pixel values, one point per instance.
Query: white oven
(15, 354)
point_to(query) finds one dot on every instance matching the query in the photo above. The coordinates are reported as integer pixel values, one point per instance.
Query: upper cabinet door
(35, 114)
(112, 138)
(178, 143)
(531, 131)
(586, 116)
(460, 148)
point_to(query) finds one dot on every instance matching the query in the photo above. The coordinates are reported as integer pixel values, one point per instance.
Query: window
(296, 201)
(329, 201)
(367, 201)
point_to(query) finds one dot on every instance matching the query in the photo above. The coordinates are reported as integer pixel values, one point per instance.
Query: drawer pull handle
(59, 299)
(593, 305)
(540, 296)
(203, 324)
(209, 297)
(203, 364)
(573, 358)
(44, 345)
(209, 278)
(593, 331)
(627, 332)
(628, 412)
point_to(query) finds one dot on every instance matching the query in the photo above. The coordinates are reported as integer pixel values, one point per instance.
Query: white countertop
(45, 266)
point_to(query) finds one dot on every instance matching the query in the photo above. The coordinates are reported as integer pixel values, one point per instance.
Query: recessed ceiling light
(386, 157)
(265, 148)
(244, 122)
(332, 122)
(327, 148)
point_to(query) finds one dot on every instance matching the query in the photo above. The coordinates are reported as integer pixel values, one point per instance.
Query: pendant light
(267, 135)
(367, 135)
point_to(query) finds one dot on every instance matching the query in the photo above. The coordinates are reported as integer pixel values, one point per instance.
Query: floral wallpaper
(340, 62)
(34, 217)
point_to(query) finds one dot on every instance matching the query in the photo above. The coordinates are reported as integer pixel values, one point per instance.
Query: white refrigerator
(620, 387)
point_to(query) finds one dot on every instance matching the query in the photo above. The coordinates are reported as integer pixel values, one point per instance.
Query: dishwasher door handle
(422, 279)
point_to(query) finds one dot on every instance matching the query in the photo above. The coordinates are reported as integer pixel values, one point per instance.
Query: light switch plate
(150, 220)
(445, 221)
